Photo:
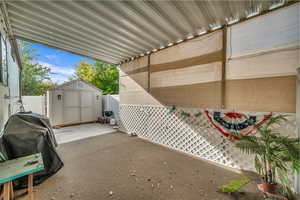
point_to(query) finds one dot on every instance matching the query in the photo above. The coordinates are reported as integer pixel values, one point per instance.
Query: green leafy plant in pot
(274, 154)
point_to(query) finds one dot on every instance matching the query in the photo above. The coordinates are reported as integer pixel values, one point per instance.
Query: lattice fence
(192, 135)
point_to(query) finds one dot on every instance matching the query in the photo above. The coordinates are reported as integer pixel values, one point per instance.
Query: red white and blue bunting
(228, 122)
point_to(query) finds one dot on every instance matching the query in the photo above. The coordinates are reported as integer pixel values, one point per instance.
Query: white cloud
(58, 79)
(51, 57)
(58, 69)
(59, 74)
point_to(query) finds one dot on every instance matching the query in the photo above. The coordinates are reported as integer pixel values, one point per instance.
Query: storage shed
(74, 102)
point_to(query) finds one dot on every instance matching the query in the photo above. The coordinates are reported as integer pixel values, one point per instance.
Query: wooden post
(30, 187)
(6, 191)
(149, 91)
(223, 78)
(12, 196)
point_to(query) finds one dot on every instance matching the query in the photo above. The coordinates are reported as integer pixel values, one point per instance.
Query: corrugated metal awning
(115, 31)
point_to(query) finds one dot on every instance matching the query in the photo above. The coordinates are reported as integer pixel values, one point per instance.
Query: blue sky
(62, 63)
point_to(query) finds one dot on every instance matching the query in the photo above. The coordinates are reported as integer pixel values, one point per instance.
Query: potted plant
(274, 154)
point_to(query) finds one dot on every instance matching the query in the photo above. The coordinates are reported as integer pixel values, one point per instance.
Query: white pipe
(297, 180)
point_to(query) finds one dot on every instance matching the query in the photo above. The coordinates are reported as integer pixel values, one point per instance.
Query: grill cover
(27, 133)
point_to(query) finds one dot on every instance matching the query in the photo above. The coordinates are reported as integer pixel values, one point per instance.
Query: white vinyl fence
(111, 103)
(36, 104)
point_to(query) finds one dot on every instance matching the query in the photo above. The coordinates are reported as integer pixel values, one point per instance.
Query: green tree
(85, 71)
(101, 75)
(35, 79)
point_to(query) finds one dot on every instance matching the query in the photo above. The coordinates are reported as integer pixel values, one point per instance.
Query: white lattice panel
(192, 135)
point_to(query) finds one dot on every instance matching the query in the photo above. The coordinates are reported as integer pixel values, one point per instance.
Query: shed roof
(117, 31)
(73, 81)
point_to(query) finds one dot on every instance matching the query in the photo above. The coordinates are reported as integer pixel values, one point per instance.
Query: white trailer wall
(10, 72)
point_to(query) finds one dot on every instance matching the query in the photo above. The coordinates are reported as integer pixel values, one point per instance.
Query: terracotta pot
(267, 187)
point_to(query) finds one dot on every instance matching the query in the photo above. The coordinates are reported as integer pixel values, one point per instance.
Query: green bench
(17, 168)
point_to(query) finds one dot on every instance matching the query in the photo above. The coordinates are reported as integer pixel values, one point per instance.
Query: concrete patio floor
(118, 167)
(79, 132)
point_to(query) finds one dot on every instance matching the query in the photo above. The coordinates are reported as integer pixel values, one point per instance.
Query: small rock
(71, 195)
(52, 198)
(171, 186)
(110, 193)
(165, 162)
(133, 172)
(149, 179)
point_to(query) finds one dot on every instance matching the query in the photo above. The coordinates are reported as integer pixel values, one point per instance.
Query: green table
(20, 167)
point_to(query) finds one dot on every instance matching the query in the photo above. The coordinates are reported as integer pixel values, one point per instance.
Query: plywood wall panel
(141, 97)
(199, 46)
(198, 60)
(135, 66)
(186, 76)
(260, 72)
(135, 83)
(271, 64)
(275, 94)
(203, 95)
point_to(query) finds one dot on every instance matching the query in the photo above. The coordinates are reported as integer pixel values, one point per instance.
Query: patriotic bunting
(229, 122)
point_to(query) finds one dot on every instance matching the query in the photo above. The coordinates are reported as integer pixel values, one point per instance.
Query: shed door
(71, 106)
(79, 106)
(87, 106)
